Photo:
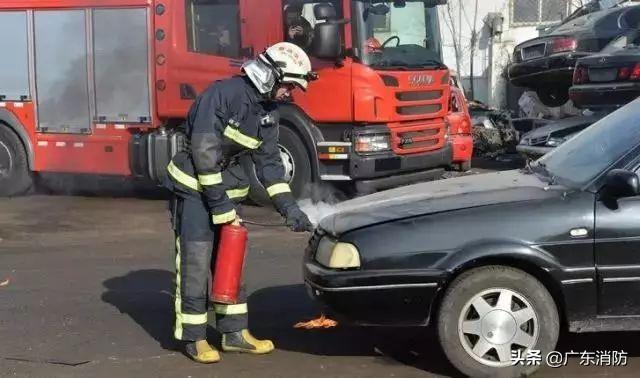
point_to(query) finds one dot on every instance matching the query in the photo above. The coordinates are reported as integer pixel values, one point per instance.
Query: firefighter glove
(298, 221)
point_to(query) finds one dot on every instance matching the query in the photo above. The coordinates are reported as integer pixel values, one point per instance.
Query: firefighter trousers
(196, 243)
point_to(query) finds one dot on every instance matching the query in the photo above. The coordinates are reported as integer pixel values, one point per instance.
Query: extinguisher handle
(237, 221)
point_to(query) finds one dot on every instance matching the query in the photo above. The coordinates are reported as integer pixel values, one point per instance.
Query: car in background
(542, 140)
(545, 64)
(497, 262)
(611, 78)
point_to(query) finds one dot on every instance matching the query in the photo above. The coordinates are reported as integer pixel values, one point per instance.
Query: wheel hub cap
(498, 327)
(495, 322)
(5, 161)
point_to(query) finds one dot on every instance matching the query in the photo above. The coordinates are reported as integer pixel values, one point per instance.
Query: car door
(617, 248)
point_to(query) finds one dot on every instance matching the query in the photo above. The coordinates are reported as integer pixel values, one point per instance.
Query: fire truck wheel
(15, 177)
(465, 166)
(297, 167)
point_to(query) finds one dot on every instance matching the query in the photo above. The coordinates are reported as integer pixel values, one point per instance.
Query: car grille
(538, 140)
(533, 52)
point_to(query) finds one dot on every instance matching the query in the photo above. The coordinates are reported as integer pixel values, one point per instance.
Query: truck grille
(418, 109)
(419, 96)
(416, 138)
(533, 52)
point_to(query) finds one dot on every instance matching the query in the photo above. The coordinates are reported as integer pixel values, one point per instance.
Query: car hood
(433, 197)
(565, 126)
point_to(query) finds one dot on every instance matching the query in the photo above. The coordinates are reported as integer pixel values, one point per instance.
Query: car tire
(15, 175)
(298, 165)
(464, 322)
(553, 97)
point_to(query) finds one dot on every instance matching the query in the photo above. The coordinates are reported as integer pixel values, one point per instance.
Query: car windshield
(398, 35)
(629, 40)
(583, 158)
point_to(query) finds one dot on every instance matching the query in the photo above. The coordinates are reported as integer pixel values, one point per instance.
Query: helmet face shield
(261, 75)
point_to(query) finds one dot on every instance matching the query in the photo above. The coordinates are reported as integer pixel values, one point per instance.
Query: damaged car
(545, 64)
(497, 263)
(543, 140)
(610, 79)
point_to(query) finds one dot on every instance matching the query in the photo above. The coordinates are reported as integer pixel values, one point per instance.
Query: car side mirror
(620, 183)
(327, 41)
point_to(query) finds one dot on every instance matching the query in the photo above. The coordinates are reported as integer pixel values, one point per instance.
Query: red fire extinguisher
(227, 269)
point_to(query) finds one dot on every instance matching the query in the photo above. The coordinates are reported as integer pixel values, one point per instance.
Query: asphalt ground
(86, 290)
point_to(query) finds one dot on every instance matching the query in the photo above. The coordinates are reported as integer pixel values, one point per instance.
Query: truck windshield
(583, 158)
(404, 35)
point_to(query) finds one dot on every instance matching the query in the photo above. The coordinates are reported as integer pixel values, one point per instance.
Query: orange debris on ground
(321, 322)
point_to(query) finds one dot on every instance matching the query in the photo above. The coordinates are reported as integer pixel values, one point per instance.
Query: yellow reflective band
(240, 138)
(224, 218)
(192, 318)
(236, 309)
(238, 193)
(183, 178)
(276, 189)
(177, 332)
(212, 179)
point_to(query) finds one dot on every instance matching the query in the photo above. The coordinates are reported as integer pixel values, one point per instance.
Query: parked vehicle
(611, 78)
(545, 64)
(542, 247)
(543, 140)
(114, 101)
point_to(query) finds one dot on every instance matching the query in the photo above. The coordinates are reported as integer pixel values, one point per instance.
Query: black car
(611, 78)
(542, 140)
(545, 64)
(498, 263)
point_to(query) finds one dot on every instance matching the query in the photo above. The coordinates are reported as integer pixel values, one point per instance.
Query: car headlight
(372, 143)
(335, 255)
(555, 142)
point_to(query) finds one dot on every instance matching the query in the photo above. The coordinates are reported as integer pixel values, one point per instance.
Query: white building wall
(493, 54)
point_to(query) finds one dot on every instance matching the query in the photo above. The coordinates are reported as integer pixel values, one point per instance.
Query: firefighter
(232, 117)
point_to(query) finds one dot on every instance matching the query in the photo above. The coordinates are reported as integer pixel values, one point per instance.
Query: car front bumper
(374, 297)
(462, 147)
(598, 96)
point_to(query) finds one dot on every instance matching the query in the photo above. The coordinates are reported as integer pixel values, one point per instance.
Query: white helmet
(283, 62)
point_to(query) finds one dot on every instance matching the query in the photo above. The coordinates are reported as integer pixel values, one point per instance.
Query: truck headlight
(335, 255)
(372, 143)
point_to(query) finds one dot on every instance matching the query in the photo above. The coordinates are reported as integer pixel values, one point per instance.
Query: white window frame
(516, 24)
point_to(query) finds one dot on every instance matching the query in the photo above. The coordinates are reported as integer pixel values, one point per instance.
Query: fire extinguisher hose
(263, 224)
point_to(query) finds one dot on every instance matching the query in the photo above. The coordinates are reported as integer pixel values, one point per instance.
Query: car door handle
(579, 232)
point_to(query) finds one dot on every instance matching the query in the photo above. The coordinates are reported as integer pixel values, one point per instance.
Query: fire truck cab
(103, 87)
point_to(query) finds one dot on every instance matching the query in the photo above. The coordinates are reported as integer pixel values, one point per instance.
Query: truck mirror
(327, 42)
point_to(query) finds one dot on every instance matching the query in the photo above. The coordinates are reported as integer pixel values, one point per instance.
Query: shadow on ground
(276, 309)
(146, 296)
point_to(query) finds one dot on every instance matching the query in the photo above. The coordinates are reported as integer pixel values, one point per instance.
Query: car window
(617, 44)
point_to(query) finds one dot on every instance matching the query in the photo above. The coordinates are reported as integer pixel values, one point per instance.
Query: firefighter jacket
(228, 119)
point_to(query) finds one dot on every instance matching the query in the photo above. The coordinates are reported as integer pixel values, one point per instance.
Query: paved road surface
(90, 294)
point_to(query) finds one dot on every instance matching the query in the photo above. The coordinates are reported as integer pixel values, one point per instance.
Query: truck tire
(465, 166)
(15, 176)
(295, 158)
(553, 96)
(489, 311)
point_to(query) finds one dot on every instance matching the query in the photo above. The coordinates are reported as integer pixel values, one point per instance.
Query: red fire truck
(103, 86)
